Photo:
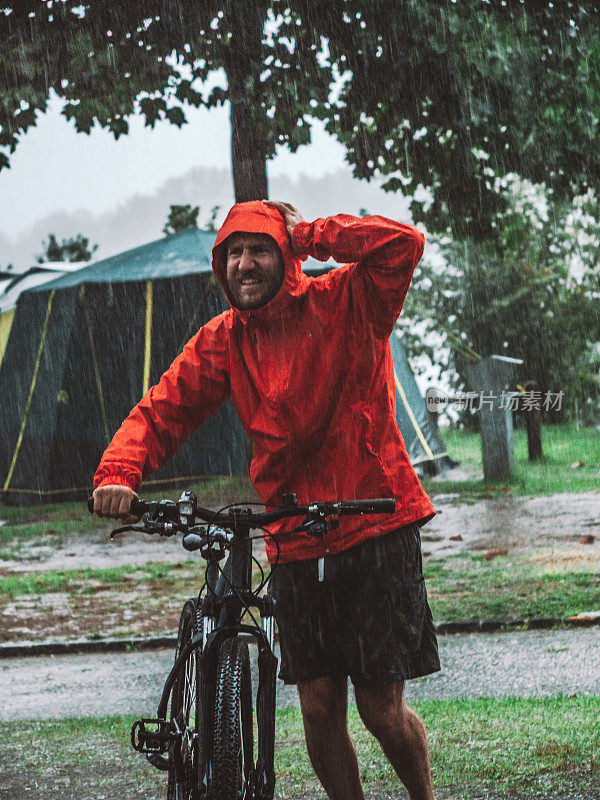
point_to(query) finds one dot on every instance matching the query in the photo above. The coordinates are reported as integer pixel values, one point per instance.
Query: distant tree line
(76, 248)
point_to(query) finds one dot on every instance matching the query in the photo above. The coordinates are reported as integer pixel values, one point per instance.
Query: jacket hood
(257, 217)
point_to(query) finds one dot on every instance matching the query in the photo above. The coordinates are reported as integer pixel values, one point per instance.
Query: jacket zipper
(321, 569)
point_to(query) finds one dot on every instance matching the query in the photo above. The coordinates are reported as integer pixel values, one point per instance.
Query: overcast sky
(63, 181)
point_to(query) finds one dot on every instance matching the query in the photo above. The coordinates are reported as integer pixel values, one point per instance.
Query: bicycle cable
(239, 597)
(272, 536)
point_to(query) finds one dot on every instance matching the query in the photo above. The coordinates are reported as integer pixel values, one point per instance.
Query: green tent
(418, 426)
(85, 347)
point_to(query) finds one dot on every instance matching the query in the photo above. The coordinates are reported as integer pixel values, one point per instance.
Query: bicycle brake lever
(316, 527)
(125, 529)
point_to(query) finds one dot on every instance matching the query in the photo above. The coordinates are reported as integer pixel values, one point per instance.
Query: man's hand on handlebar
(114, 501)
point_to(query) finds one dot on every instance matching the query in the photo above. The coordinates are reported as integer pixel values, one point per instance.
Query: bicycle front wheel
(184, 761)
(233, 745)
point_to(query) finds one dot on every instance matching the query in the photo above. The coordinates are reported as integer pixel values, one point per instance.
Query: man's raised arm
(385, 252)
(188, 393)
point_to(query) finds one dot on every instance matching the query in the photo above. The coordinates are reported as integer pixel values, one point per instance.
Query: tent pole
(31, 391)
(88, 321)
(148, 340)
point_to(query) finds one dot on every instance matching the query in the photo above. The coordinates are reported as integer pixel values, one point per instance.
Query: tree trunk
(533, 422)
(248, 161)
(248, 148)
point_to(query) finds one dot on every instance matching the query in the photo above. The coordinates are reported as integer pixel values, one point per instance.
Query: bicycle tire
(233, 744)
(185, 708)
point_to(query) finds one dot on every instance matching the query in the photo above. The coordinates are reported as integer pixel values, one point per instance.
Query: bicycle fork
(264, 772)
(153, 736)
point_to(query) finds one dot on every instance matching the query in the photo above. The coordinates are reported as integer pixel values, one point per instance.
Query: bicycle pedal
(154, 740)
(158, 761)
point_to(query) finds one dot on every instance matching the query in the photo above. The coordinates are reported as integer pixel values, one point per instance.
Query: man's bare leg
(324, 705)
(401, 734)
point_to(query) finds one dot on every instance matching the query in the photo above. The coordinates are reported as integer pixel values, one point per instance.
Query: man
(308, 365)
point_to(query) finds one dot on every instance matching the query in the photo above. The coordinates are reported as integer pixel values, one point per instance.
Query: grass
(96, 603)
(563, 446)
(525, 748)
(84, 581)
(15, 537)
(546, 584)
(165, 579)
(146, 599)
(510, 747)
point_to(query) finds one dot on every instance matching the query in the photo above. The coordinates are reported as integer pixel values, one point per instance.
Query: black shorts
(368, 618)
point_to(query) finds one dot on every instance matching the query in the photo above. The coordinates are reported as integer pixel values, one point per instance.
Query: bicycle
(205, 739)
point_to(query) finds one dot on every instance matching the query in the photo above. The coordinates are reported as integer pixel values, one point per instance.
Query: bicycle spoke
(190, 688)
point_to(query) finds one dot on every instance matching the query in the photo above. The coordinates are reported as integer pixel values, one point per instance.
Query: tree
(180, 219)
(76, 248)
(518, 295)
(447, 95)
(211, 224)
(450, 96)
(111, 61)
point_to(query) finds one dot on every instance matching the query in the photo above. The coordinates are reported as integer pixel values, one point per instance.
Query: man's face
(254, 269)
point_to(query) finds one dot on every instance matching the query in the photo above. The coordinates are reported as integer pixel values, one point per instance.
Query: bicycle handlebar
(384, 505)
(170, 510)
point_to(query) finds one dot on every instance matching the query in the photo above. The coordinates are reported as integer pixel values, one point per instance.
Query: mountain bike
(203, 733)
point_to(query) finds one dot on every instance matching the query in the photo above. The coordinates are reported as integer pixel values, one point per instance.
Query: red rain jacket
(310, 375)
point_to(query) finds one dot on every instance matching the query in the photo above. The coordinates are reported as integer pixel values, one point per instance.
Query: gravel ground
(527, 664)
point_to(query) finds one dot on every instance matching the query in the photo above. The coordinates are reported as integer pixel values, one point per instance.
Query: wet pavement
(508, 521)
(525, 664)
(500, 521)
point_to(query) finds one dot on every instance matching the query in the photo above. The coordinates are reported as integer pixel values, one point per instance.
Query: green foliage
(518, 295)
(444, 95)
(181, 218)
(76, 248)
(452, 95)
(109, 64)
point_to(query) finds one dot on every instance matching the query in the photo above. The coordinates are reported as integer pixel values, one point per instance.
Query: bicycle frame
(221, 611)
